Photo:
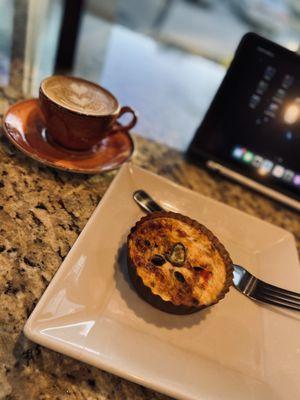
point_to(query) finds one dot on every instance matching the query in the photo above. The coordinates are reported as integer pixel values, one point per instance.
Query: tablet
(251, 130)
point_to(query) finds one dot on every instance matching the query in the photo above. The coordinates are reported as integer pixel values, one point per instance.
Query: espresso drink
(80, 96)
(79, 114)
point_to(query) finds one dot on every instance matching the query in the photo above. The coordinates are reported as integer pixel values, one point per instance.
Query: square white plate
(237, 349)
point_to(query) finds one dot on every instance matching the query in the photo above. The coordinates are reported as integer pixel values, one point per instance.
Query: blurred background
(210, 28)
(165, 58)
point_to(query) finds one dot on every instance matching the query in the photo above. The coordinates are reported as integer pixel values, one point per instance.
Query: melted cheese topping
(195, 286)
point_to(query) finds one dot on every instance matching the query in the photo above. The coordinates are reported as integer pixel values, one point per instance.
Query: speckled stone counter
(42, 212)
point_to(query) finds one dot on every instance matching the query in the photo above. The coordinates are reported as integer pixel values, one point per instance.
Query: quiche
(176, 264)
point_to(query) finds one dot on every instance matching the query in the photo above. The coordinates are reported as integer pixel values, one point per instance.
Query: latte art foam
(79, 95)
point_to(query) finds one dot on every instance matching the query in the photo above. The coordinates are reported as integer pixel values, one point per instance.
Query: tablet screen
(253, 124)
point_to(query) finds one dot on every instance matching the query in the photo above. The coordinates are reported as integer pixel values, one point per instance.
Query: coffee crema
(79, 95)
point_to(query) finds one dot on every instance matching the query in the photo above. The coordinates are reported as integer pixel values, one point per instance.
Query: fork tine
(263, 294)
(278, 297)
(277, 293)
(282, 292)
(256, 289)
(276, 303)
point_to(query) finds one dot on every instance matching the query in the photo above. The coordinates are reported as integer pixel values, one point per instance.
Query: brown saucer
(24, 125)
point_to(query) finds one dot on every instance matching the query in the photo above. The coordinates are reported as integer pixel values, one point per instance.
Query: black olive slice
(200, 268)
(179, 276)
(177, 255)
(158, 260)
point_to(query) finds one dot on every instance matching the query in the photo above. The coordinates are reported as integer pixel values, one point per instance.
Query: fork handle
(146, 202)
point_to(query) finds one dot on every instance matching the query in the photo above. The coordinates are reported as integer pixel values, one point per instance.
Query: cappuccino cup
(79, 113)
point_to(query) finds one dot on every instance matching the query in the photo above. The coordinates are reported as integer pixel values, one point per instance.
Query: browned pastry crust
(162, 253)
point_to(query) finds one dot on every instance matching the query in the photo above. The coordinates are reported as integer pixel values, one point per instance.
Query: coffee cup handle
(130, 124)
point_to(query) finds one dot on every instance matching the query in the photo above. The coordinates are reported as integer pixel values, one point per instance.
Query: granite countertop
(42, 212)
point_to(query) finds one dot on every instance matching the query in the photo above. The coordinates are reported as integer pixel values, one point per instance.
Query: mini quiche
(177, 264)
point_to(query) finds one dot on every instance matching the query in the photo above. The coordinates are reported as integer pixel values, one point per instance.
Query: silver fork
(243, 281)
